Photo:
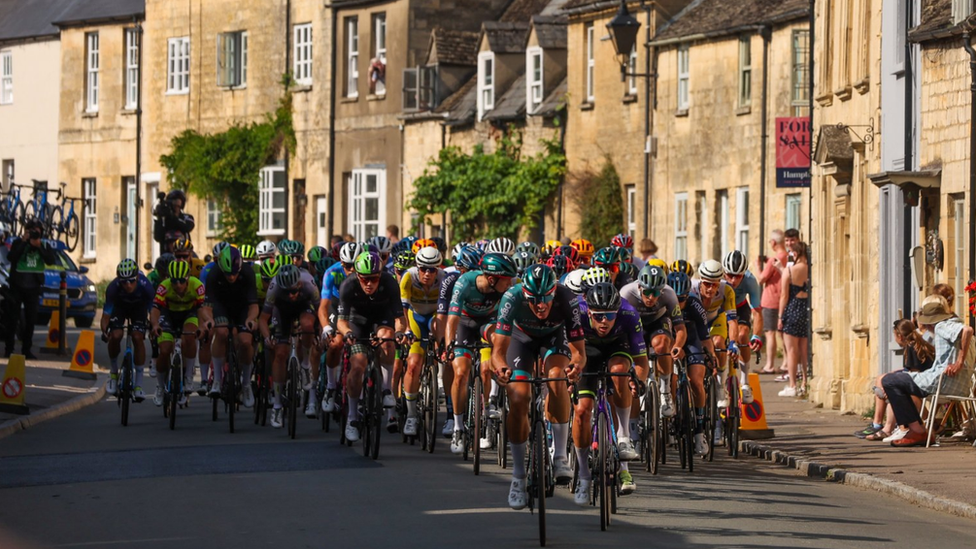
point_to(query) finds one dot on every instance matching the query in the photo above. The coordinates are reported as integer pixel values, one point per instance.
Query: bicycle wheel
(56, 221)
(733, 418)
(15, 217)
(430, 408)
(378, 412)
(176, 390)
(602, 475)
(477, 397)
(258, 387)
(293, 382)
(30, 211)
(652, 426)
(540, 450)
(711, 416)
(503, 430)
(687, 424)
(125, 388)
(71, 231)
(233, 385)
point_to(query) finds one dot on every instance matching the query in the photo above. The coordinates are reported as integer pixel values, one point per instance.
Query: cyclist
(748, 294)
(474, 304)
(615, 341)
(609, 259)
(560, 265)
(538, 319)
(294, 249)
(174, 314)
(501, 245)
(384, 247)
(530, 248)
(159, 273)
(328, 314)
(248, 253)
(183, 251)
(522, 261)
(290, 299)
(718, 297)
(129, 296)
(231, 303)
(369, 303)
(585, 249)
(419, 289)
(266, 250)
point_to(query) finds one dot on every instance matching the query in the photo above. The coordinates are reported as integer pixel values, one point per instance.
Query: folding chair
(968, 404)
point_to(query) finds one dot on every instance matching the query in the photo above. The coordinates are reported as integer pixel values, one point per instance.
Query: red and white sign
(12, 387)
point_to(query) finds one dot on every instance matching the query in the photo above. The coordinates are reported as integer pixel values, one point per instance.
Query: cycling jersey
(666, 304)
(514, 312)
(331, 280)
(748, 288)
(154, 278)
(447, 288)
(382, 307)
(723, 302)
(139, 300)
(696, 325)
(284, 310)
(238, 294)
(626, 336)
(622, 280)
(196, 268)
(168, 300)
(259, 287)
(468, 301)
(205, 270)
(421, 300)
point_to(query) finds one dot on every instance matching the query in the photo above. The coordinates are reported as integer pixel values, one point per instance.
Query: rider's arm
(574, 330)
(499, 351)
(263, 324)
(406, 284)
(110, 295)
(731, 314)
(154, 318)
(323, 312)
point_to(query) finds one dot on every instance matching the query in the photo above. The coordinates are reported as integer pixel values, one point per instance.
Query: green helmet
(499, 264)
(230, 260)
(270, 268)
(539, 282)
(316, 253)
(248, 253)
(404, 260)
(368, 264)
(127, 268)
(180, 270)
(291, 247)
(605, 257)
(652, 277)
(288, 276)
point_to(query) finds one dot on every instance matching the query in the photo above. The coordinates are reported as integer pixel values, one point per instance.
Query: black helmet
(176, 194)
(162, 264)
(680, 283)
(603, 298)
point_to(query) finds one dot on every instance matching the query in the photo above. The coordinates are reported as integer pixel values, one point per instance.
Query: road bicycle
(474, 421)
(651, 436)
(12, 208)
(371, 402)
(126, 381)
(683, 424)
(262, 383)
(39, 208)
(231, 383)
(174, 396)
(733, 412)
(64, 221)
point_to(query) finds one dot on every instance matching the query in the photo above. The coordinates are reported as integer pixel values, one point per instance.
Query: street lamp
(623, 30)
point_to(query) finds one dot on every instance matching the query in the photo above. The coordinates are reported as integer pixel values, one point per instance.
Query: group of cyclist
(526, 311)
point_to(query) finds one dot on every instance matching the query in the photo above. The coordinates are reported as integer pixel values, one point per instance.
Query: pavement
(820, 443)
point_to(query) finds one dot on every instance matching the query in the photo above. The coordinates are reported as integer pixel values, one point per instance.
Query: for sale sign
(792, 152)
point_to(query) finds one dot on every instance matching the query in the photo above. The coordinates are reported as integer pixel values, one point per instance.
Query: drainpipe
(909, 149)
(767, 35)
(332, 134)
(294, 200)
(647, 121)
(972, 161)
(138, 205)
(562, 149)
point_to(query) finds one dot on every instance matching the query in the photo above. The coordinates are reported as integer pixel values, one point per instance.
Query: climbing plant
(600, 203)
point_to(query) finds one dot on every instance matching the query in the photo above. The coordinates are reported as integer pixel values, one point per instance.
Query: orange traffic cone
(753, 424)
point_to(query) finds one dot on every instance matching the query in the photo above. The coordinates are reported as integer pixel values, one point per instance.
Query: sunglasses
(733, 277)
(682, 298)
(370, 279)
(384, 257)
(709, 284)
(294, 291)
(427, 269)
(650, 292)
(179, 280)
(182, 257)
(539, 299)
(603, 317)
(130, 280)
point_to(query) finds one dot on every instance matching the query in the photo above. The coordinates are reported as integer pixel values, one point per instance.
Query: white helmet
(382, 244)
(735, 263)
(429, 257)
(711, 271)
(574, 281)
(349, 252)
(501, 245)
(456, 252)
(267, 247)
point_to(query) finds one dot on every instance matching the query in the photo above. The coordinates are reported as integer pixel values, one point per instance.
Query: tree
(600, 203)
(496, 194)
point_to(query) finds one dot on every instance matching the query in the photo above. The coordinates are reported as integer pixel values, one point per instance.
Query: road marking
(499, 510)
(121, 541)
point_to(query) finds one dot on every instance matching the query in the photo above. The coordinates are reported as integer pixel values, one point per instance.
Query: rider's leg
(411, 380)
(559, 406)
(462, 371)
(519, 397)
(221, 334)
(583, 434)
(114, 350)
(138, 356)
(354, 381)
(278, 372)
(622, 398)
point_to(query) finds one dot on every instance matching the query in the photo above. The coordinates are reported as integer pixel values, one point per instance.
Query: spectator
(349, 238)
(952, 368)
(770, 276)
(793, 318)
(335, 240)
(790, 238)
(393, 233)
(171, 223)
(648, 250)
(28, 258)
(945, 291)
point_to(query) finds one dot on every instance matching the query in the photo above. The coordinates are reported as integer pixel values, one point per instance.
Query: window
(6, 78)
(681, 226)
(800, 99)
(303, 54)
(131, 68)
(533, 71)
(272, 202)
(631, 210)
(178, 66)
(590, 63)
(486, 83)
(214, 224)
(632, 69)
(418, 88)
(961, 9)
(366, 203)
(745, 71)
(721, 244)
(793, 202)
(91, 72)
(352, 57)
(742, 220)
(8, 174)
(232, 59)
(91, 217)
(958, 251)
(683, 66)
(701, 212)
(379, 49)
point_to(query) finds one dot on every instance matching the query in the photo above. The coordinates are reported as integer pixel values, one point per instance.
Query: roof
(936, 21)
(100, 11)
(511, 105)
(23, 19)
(453, 47)
(714, 18)
(668, 8)
(521, 11)
(462, 105)
(550, 31)
(506, 37)
(555, 100)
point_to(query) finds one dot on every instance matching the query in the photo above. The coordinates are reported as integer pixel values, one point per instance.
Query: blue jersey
(331, 280)
(206, 270)
(748, 288)
(141, 298)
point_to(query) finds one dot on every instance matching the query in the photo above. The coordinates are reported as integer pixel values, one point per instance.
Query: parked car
(82, 295)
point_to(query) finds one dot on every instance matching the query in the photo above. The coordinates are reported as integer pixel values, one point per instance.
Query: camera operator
(28, 258)
(171, 222)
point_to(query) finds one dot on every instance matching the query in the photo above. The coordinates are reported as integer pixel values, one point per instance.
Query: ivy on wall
(600, 203)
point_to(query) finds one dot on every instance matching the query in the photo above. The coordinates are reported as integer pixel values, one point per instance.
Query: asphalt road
(83, 480)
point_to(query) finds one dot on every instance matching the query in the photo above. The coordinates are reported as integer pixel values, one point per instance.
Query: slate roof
(936, 21)
(21, 19)
(713, 18)
(453, 47)
(511, 105)
(521, 11)
(462, 105)
(555, 101)
(550, 31)
(506, 37)
(101, 10)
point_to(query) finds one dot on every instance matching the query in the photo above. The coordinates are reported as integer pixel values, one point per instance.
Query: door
(151, 189)
(321, 230)
(897, 295)
(130, 217)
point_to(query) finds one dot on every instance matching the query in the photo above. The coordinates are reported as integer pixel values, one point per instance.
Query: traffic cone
(53, 333)
(13, 386)
(753, 423)
(82, 361)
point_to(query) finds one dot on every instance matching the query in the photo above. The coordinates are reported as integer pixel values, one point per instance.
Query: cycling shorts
(661, 326)
(227, 316)
(523, 351)
(137, 314)
(420, 326)
(744, 313)
(596, 361)
(362, 327)
(282, 320)
(720, 326)
(173, 322)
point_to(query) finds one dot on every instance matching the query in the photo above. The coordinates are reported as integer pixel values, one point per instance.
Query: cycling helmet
(179, 270)
(382, 243)
(368, 264)
(531, 247)
(230, 260)
(523, 260)
(482, 244)
(551, 246)
(162, 264)
(495, 264)
(315, 253)
(571, 253)
(606, 257)
(349, 252)
(324, 263)
(429, 257)
(248, 253)
(285, 260)
(219, 247)
(456, 251)
(439, 243)
(366, 246)
(574, 281)
(182, 245)
(408, 241)
(559, 264)
(291, 247)
(404, 260)
(583, 246)
(625, 255)
(594, 276)
(288, 276)
(659, 263)
(735, 263)
(538, 282)
(335, 249)
(603, 298)
(127, 268)
(469, 259)
(682, 266)
(623, 240)
(680, 283)
(711, 271)
(269, 268)
(652, 277)
(266, 248)
(422, 243)
(501, 245)
(176, 194)
(628, 269)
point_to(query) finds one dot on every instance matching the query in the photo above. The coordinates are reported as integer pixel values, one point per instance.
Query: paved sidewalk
(806, 432)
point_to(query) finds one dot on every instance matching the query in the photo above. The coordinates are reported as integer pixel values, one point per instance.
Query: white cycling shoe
(562, 471)
(582, 495)
(112, 386)
(746, 394)
(625, 449)
(701, 445)
(248, 396)
(276, 418)
(158, 397)
(485, 443)
(410, 427)
(457, 442)
(667, 405)
(352, 432)
(518, 498)
(448, 427)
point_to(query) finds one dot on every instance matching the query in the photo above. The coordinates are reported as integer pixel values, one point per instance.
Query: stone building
(724, 78)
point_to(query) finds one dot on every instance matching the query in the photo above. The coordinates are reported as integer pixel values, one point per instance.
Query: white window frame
(742, 220)
(379, 46)
(232, 59)
(214, 221)
(702, 208)
(6, 77)
(302, 44)
(794, 207)
(684, 80)
(178, 66)
(961, 9)
(745, 71)
(800, 71)
(352, 57)
(590, 64)
(722, 198)
(131, 68)
(486, 83)
(266, 209)
(959, 218)
(631, 193)
(632, 69)
(358, 195)
(92, 64)
(535, 78)
(89, 195)
(680, 225)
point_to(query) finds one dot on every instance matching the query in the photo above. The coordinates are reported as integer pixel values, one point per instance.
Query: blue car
(82, 295)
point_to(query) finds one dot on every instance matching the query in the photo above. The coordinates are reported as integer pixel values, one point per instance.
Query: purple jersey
(627, 334)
